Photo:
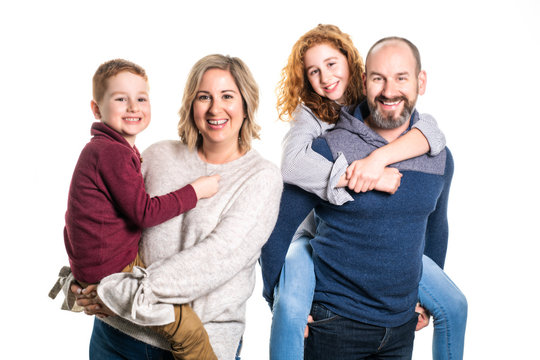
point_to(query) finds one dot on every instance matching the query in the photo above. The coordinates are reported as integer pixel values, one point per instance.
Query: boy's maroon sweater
(108, 206)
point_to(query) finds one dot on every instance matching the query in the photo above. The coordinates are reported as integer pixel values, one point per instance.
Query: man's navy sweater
(368, 252)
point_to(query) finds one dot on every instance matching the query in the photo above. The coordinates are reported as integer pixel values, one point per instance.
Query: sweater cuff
(130, 296)
(338, 196)
(434, 136)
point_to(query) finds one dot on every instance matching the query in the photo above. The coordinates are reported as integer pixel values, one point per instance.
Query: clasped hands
(89, 299)
(370, 174)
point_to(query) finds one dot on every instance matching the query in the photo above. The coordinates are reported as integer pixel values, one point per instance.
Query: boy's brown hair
(108, 70)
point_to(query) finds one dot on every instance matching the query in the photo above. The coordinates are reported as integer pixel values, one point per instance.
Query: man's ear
(422, 79)
(95, 110)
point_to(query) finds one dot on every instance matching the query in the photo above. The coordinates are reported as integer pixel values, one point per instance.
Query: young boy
(108, 205)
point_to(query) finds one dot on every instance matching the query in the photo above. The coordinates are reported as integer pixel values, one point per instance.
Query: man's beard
(389, 121)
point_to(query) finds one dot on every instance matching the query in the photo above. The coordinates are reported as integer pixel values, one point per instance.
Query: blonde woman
(207, 256)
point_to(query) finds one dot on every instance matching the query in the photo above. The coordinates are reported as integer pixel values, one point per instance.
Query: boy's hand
(390, 181)
(364, 174)
(206, 186)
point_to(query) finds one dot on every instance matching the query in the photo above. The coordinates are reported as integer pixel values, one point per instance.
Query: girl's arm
(303, 167)
(430, 129)
(363, 175)
(425, 136)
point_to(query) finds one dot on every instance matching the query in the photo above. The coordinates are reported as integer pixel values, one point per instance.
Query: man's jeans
(334, 337)
(293, 296)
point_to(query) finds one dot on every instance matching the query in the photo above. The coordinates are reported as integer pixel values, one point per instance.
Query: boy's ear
(95, 109)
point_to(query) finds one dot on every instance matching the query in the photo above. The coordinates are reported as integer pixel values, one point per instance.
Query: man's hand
(423, 317)
(306, 331)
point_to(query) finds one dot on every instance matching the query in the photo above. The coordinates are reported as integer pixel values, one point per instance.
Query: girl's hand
(364, 174)
(390, 181)
(91, 302)
(342, 181)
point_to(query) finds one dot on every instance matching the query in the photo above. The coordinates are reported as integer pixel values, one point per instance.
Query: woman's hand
(364, 174)
(390, 181)
(91, 302)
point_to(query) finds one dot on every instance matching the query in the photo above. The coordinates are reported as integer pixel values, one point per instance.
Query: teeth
(331, 86)
(391, 103)
(217, 122)
(132, 119)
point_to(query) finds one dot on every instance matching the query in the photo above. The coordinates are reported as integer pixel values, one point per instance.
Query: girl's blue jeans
(293, 297)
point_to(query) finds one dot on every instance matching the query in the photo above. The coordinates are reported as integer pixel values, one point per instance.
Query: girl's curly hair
(294, 87)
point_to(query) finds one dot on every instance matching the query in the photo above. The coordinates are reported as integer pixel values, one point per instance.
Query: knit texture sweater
(304, 167)
(108, 206)
(367, 253)
(205, 257)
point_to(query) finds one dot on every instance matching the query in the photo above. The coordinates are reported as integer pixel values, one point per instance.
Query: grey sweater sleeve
(303, 167)
(435, 137)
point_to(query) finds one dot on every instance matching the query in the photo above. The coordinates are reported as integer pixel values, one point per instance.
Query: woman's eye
(313, 72)
(227, 96)
(203, 98)
(142, 100)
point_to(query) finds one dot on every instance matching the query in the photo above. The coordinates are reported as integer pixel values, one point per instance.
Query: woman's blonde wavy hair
(189, 134)
(294, 87)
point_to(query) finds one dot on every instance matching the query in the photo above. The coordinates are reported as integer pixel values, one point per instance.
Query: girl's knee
(452, 309)
(458, 305)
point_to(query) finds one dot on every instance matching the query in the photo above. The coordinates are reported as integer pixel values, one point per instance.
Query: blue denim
(448, 306)
(294, 293)
(112, 344)
(334, 337)
(292, 299)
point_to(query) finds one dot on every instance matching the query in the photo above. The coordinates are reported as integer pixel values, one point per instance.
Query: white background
(481, 58)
